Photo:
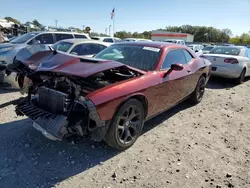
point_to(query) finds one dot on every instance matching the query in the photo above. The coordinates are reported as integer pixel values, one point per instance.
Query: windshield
(141, 57)
(208, 48)
(225, 50)
(62, 46)
(23, 38)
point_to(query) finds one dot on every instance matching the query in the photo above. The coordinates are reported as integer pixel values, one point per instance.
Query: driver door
(174, 86)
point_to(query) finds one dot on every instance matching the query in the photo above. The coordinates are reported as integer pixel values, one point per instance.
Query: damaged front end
(59, 107)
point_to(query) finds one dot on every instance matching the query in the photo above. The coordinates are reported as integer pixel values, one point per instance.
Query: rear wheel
(199, 91)
(241, 78)
(126, 125)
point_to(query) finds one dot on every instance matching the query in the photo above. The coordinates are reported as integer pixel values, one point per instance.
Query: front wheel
(126, 125)
(199, 91)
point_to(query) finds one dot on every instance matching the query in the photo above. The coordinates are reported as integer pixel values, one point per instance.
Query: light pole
(56, 23)
(110, 30)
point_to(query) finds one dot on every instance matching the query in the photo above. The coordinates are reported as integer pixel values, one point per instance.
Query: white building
(165, 35)
(6, 24)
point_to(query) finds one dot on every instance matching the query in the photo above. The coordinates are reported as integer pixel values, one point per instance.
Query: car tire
(199, 91)
(241, 78)
(126, 125)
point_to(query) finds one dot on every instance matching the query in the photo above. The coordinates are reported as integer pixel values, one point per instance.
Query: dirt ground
(207, 145)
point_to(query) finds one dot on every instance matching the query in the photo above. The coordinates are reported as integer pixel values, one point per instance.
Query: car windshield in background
(141, 57)
(192, 47)
(171, 41)
(208, 48)
(23, 38)
(62, 46)
(225, 50)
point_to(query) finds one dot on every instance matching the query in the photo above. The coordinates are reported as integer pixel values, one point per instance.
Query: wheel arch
(138, 96)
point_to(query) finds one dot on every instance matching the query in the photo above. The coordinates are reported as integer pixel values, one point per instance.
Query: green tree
(10, 19)
(36, 23)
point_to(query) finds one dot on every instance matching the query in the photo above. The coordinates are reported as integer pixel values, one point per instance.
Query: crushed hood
(46, 61)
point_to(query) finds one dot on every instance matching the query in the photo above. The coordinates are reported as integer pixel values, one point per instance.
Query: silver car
(80, 47)
(8, 51)
(230, 62)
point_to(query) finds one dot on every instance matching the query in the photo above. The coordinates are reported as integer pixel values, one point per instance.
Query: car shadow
(28, 159)
(220, 83)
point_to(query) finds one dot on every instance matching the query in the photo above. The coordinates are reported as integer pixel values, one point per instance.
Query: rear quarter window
(80, 36)
(60, 36)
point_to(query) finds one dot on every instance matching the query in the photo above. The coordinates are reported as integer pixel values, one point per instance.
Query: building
(4, 24)
(165, 35)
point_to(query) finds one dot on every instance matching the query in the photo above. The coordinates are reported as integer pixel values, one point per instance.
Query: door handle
(188, 71)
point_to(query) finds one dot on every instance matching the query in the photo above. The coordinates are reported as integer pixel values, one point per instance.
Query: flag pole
(114, 23)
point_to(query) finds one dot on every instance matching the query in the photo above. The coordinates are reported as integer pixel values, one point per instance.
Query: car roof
(151, 44)
(240, 47)
(59, 32)
(81, 41)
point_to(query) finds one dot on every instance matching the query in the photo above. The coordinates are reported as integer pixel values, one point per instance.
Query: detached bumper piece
(52, 126)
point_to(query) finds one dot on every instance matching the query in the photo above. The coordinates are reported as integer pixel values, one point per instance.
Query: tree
(36, 23)
(10, 19)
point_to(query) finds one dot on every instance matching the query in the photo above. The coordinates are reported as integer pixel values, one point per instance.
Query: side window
(63, 36)
(80, 36)
(108, 40)
(87, 49)
(188, 56)
(46, 38)
(174, 56)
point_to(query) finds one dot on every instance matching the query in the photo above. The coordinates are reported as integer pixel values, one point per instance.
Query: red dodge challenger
(110, 96)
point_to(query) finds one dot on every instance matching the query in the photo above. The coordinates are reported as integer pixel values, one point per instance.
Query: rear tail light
(231, 61)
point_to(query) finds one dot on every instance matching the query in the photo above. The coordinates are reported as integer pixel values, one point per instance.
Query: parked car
(110, 96)
(134, 40)
(81, 47)
(106, 39)
(230, 62)
(196, 47)
(207, 49)
(175, 41)
(9, 50)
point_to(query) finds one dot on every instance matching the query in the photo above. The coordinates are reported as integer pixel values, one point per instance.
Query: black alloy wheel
(126, 125)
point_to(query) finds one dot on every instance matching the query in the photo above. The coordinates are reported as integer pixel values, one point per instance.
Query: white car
(135, 40)
(196, 47)
(230, 62)
(106, 39)
(80, 47)
(182, 42)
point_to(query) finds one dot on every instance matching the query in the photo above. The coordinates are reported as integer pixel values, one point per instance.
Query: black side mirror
(174, 67)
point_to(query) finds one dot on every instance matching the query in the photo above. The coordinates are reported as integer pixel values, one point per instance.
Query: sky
(132, 15)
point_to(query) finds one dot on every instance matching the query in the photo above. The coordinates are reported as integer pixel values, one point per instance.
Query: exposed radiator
(51, 100)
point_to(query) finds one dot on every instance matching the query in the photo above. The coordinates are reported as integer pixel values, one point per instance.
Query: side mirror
(174, 67)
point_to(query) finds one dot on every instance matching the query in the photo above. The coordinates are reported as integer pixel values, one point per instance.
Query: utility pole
(56, 23)
(106, 32)
(83, 28)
